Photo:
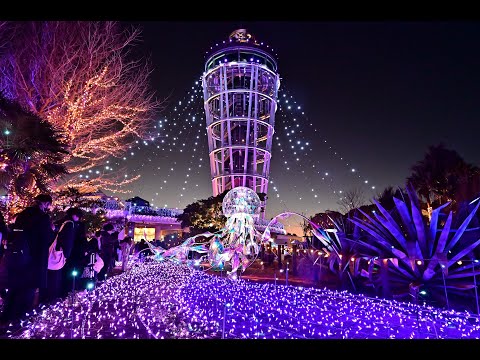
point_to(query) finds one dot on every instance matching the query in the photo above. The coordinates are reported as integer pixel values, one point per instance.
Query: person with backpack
(27, 259)
(66, 238)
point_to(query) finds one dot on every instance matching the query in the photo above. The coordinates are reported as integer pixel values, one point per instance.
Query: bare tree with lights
(352, 199)
(5, 38)
(83, 78)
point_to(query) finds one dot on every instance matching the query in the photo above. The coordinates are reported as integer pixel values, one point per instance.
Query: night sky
(378, 93)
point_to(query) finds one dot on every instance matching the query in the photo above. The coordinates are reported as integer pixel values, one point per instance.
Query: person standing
(120, 236)
(3, 269)
(107, 241)
(97, 239)
(126, 246)
(28, 273)
(66, 238)
(143, 250)
(76, 258)
(92, 264)
(3, 234)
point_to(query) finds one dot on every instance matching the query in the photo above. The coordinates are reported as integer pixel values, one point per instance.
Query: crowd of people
(27, 282)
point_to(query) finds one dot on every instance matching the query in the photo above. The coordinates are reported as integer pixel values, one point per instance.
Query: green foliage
(94, 214)
(31, 151)
(73, 197)
(95, 221)
(385, 198)
(324, 220)
(206, 215)
(442, 176)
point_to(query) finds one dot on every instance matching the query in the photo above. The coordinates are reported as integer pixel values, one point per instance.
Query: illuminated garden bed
(166, 300)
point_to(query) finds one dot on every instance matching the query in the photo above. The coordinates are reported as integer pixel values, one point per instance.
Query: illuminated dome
(241, 200)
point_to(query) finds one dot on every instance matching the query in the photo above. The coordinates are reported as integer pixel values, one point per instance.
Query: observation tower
(240, 87)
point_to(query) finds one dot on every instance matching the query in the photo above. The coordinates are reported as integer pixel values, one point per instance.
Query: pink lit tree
(83, 78)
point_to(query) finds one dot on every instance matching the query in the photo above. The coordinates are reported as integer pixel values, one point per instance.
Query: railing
(144, 210)
(277, 227)
(147, 210)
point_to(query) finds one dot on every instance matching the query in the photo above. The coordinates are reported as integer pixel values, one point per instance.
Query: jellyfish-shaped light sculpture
(237, 243)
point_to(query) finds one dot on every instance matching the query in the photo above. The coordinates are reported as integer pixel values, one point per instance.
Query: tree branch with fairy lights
(83, 78)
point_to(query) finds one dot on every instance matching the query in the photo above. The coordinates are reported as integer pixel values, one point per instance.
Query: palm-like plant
(421, 255)
(31, 153)
(343, 252)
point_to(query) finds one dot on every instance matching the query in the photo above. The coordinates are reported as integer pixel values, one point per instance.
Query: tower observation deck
(240, 86)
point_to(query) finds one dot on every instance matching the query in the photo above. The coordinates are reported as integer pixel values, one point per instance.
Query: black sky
(380, 92)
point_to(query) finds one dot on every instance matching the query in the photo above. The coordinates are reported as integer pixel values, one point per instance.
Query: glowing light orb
(241, 200)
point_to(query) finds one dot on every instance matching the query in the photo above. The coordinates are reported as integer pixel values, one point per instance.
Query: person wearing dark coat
(3, 233)
(107, 241)
(90, 272)
(33, 224)
(117, 246)
(66, 238)
(3, 242)
(143, 250)
(76, 259)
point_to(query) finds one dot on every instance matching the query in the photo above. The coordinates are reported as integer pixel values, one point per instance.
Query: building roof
(138, 201)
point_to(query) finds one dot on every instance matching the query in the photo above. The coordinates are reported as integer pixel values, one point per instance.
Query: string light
(183, 122)
(167, 300)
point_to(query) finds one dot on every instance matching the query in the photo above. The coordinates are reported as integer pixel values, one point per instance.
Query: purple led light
(169, 300)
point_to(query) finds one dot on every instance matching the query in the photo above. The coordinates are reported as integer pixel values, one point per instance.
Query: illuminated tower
(240, 86)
